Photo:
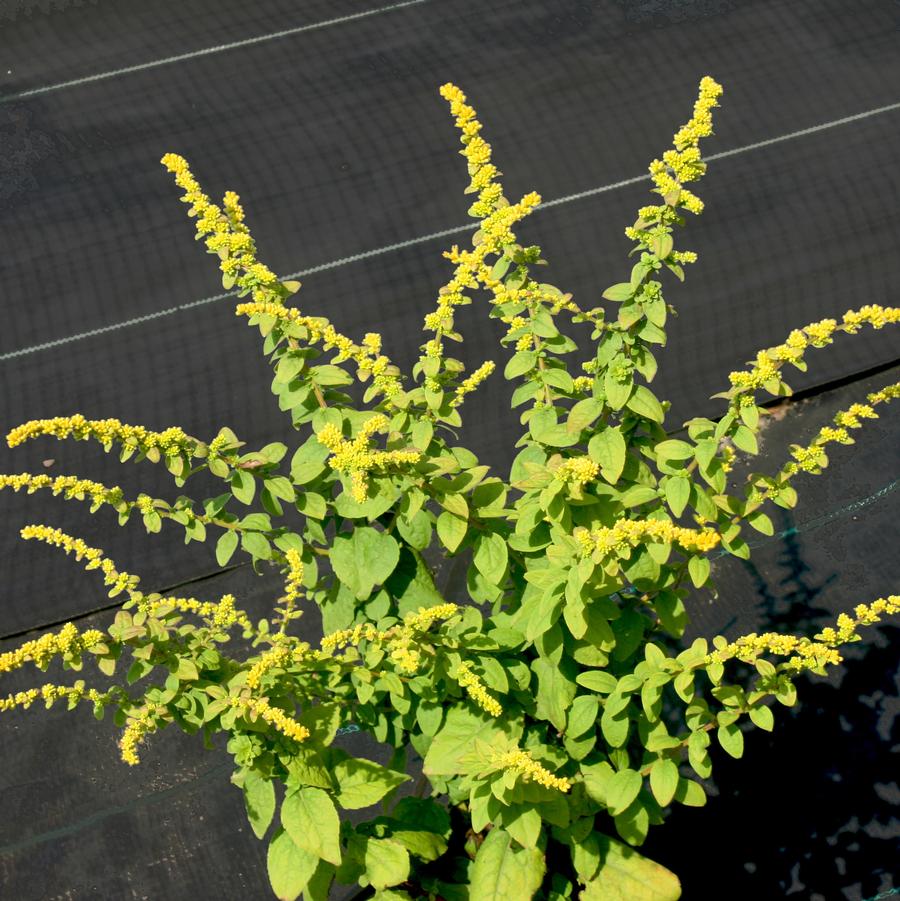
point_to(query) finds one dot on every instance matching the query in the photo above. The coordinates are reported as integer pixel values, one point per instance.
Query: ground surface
(336, 139)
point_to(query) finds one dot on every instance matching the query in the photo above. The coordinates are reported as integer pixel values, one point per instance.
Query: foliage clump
(556, 713)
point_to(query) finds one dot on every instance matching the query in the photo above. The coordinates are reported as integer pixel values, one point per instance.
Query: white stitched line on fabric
(367, 254)
(102, 76)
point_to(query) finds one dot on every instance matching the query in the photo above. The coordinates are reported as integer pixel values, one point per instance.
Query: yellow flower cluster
(291, 585)
(816, 334)
(353, 636)
(223, 614)
(475, 689)
(279, 656)
(136, 730)
(355, 458)
(70, 486)
(50, 694)
(577, 470)
(469, 384)
(812, 458)
(367, 356)
(228, 236)
(629, 533)
(808, 654)
(679, 166)
(529, 769)
(260, 707)
(171, 442)
(94, 556)
(495, 233)
(68, 641)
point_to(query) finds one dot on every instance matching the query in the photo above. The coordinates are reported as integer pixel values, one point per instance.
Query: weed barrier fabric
(809, 811)
(337, 140)
(339, 145)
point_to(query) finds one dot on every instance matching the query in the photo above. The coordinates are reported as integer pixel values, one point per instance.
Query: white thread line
(368, 254)
(102, 76)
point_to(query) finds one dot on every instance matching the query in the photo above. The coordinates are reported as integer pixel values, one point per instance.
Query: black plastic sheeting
(339, 144)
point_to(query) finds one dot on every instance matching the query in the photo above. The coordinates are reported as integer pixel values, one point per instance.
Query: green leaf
(608, 449)
(362, 782)
(311, 820)
(626, 875)
(416, 532)
(690, 793)
(311, 504)
(521, 362)
(620, 292)
(461, 729)
(583, 414)
(698, 567)
(664, 780)
(257, 545)
(745, 440)
(583, 715)
(525, 827)
(290, 868)
(491, 556)
(243, 486)
(673, 449)
(731, 739)
(226, 546)
(387, 862)
(678, 491)
(259, 799)
(762, 717)
(555, 691)
(622, 789)
(451, 530)
(644, 403)
(502, 872)
(364, 559)
(597, 680)
(617, 392)
(280, 487)
(330, 375)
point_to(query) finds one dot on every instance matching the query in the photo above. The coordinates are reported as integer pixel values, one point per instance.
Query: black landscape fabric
(325, 117)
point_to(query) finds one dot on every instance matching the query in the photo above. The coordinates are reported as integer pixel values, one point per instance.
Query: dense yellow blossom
(69, 486)
(817, 334)
(476, 690)
(280, 656)
(119, 581)
(629, 533)
(577, 470)
(170, 442)
(368, 357)
(138, 728)
(50, 694)
(223, 614)
(469, 384)
(529, 769)
(812, 458)
(260, 707)
(355, 459)
(291, 587)
(67, 642)
(677, 168)
(807, 653)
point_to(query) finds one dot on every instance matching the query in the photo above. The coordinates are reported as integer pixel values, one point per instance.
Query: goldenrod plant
(557, 714)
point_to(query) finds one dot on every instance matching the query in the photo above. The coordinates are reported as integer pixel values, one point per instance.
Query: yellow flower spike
(577, 470)
(529, 769)
(629, 533)
(107, 431)
(476, 690)
(42, 650)
(221, 615)
(356, 459)
(470, 384)
(260, 707)
(806, 653)
(94, 556)
(135, 732)
(279, 656)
